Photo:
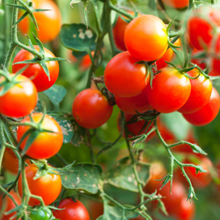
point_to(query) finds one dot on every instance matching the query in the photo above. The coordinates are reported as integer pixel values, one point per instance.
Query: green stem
(122, 12)
(3, 145)
(8, 194)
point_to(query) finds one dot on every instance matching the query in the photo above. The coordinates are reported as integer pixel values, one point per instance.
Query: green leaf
(79, 54)
(122, 176)
(67, 129)
(78, 37)
(83, 177)
(78, 136)
(56, 93)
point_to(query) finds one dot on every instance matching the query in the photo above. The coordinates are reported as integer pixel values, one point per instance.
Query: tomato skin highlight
(207, 113)
(178, 4)
(20, 100)
(71, 210)
(35, 72)
(146, 38)
(48, 186)
(201, 89)
(124, 77)
(170, 90)
(91, 108)
(49, 22)
(46, 144)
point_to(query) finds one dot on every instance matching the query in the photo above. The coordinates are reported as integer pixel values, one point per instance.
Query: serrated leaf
(56, 93)
(78, 136)
(83, 177)
(67, 129)
(122, 176)
(78, 37)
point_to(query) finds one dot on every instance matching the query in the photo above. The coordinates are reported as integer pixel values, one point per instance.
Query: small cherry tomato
(71, 210)
(46, 144)
(91, 109)
(49, 22)
(201, 89)
(35, 72)
(146, 38)
(207, 113)
(178, 4)
(41, 213)
(8, 204)
(48, 186)
(134, 104)
(20, 100)
(170, 90)
(124, 76)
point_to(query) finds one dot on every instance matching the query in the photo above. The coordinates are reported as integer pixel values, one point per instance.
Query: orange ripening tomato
(49, 22)
(124, 76)
(46, 144)
(91, 109)
(178, 4)
(48, 186)
(9, 205)
(71, 210)
(146, 38)
(201, 89)
(207, 113)
(35, 72)
(20, 100)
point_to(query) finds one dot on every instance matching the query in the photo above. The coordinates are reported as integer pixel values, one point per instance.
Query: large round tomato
(201, 26)
(46, 144)
(170, 90)
(91, 109)
(20, 100)
(124, 77)
(146, 38)
(133, 104)
(71, 210)
(207, 113)
(49, 22)
(35, 72)
(201, 89)
(8, 204)
(48, 186)
(176, 3)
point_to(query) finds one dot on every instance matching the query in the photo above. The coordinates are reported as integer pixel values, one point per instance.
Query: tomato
(201, 89)
(146, 38)
(86, 62)
(49, 22)
(136, 127)
(178, 4)
(48, 186)
(207, 113)
(41, 213)
(20, 100)
(91, 108)
(46, 144)
(96, 209)
(199, 180)
(170, 90)
(124, 77)
(35, 72)
(133, 104)
(8, 204)
(198, 61)
(71, 210)
(201, 26)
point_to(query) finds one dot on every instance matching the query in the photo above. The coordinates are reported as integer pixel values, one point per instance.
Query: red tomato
(207, 113)
(35, 72)
(91, 109)
(170, 90)
(48, 186)
(199, 180)
(201, 26)
(136, 127)
(46, 144)
(124, 77)
(201, 89)
(86, 62)
(20, 100)
(146, 38)
(71, 210)
(49, 22)
(9, 205)
(133, 104)
(176, 3)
